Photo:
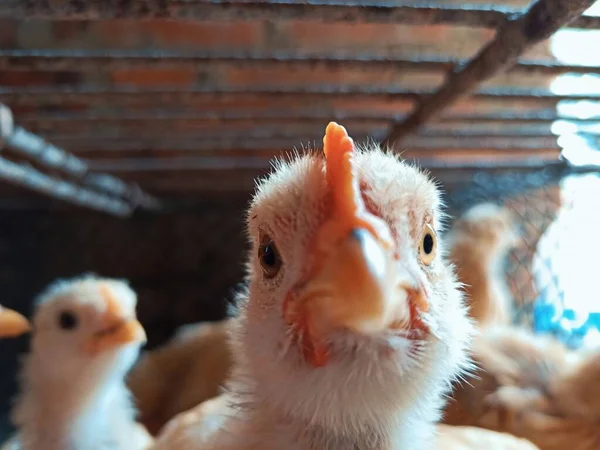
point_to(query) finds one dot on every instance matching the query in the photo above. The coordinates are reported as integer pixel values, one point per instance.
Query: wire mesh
(534, 269)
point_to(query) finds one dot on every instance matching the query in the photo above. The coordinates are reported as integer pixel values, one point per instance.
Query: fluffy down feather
(533, 387)
(300, 382)
(73, 394)
(188, 370)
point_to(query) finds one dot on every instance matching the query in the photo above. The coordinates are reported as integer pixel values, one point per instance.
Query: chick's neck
(66, 413)
(277, 431)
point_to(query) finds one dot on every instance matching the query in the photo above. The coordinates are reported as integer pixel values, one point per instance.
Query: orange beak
(12, 324)
(353, 282)
(115, 330)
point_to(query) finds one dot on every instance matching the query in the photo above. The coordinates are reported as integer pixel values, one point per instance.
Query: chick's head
(87, 326)
(351, 306)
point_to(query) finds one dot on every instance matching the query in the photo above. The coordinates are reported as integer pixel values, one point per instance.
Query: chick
(564, 413)
(506, 356)
(189, 369)
(12, 324)
(73, 395)
(195, 427)
(472, 438)
(200, 422)
(353, 326)
(479, 242)
(533, 387)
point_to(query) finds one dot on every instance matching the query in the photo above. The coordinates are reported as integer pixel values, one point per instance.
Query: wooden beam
(425, 13)
(542, 19)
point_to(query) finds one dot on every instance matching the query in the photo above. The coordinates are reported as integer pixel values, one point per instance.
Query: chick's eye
(269, 258)
(428, 246)
(67, 320)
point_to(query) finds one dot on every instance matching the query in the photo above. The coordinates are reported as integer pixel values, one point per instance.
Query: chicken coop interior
(134, 134)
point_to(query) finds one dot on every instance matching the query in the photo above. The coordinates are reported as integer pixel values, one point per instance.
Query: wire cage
(159, 117)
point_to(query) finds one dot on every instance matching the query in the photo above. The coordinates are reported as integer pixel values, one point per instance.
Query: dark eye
(428, 243)
(269, 258)
(427, 248)
(67, 320)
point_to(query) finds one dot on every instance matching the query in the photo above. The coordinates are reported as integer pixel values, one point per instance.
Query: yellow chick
(12, 324)
(199, 424)
(353, 326)
(73, 396)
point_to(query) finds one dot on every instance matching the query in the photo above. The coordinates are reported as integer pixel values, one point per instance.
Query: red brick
(315, 75)
(512, 79)
(70, 30)
(366, 105)
(32, 78)
(451, 154)
(380, 38)
(8, 33)
(165, 34)
(154, 77)
(485, 106)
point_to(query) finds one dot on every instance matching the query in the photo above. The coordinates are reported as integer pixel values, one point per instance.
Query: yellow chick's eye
(428, 245)
(269, 258)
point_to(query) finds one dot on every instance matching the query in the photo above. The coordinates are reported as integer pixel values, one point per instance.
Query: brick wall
(240, 36)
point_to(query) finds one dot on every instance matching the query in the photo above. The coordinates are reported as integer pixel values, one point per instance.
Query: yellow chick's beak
(118, 334)
(352, 279)
(12, 324)
(359, 274)
(115, 331)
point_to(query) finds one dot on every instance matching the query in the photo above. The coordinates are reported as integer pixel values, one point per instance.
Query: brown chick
(565, 414)
(195, 428)
(353, 326)
(478, 243)
(506, 356)
(12, 324)
(472, 438)
(533, 387)
(189, 369)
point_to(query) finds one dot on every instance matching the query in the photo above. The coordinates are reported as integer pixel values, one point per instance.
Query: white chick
(73, 395)
(353, 326)
(12, 324)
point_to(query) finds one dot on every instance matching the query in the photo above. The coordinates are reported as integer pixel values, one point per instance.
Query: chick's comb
(339, 149)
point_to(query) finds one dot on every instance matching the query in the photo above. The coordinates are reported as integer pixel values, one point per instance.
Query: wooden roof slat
(127, 95)
(539, 22)
(283, 142)
(94, 60)
(424, 13)
(22, 175)
(193, 164)
(43, 119)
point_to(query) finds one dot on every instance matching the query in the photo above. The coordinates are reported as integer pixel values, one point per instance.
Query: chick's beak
(358, 273)
(354, 286)
(115, 330)
(12, 324)
(353, 280)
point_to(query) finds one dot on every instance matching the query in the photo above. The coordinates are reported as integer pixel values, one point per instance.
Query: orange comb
(339, 149)
(348, 206)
